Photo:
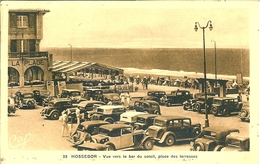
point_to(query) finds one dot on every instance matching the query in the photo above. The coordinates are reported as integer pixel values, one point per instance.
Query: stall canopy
(69, 67)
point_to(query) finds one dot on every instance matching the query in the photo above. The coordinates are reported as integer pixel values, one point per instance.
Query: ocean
(229, 61)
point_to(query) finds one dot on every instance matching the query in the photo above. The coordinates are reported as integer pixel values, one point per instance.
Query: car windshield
(104, 131)
(217, 101)
(160, 123)
(27, 96)
(100, 110)
(233, 143)
(140, 120)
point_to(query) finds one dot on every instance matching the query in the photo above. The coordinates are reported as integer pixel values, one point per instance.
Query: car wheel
(218, 148)
(226, 112)
(197, 108)
(169, 140)
(55, 116)
(109, 119)
(214, 111)
(157, 112)
(148, 144)
(199, 147)
(243, 113)
(110, 147)
(185, 107)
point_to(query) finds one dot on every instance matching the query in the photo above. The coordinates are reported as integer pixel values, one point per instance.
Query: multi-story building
(27, 65)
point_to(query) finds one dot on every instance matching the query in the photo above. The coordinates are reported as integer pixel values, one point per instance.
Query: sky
(144, 24)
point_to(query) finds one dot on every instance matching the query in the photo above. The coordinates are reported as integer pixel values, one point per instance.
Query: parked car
(84, 131)
(129, 118)
(224, 106)
(87, 107)
(200, 104)
(212, 139)
(143, 121)
(118, 136)
(46, 100)
(93, 94)
(154, 96)
(55, 108)
(27, 101)
(12, 107)
(190, 103)
(148, 106)
(177, 97)
(40, 95)
(236, 142)
(171, 129)
(113, 97)
(73, 94)
(109, 113)
(244, 114)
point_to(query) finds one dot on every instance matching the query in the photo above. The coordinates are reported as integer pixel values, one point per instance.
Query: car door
(126, 139)
(180, 130)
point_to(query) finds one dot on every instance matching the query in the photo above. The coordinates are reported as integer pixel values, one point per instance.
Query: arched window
(13, 77)
(33, 75)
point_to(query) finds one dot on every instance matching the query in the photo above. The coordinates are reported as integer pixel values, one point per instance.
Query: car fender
(109, 143)
(53, 111)
(146, 138)
(165, 135)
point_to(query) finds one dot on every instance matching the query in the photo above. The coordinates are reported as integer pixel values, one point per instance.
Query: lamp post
(215, 62)
(205, 73)
(70, 52)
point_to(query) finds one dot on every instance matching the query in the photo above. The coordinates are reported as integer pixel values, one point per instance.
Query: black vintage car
(56, 107)
(113, 97)
(27, 101)
(143, 121)
(177, 97)
(40, 95)
(154, 95)
(170, 129)
(148, 106)
(190, 103)
(73, 94)
(93, 94)
(87, 107)
(200, 104)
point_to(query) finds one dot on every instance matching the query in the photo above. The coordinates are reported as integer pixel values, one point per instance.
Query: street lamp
(215, 62)
(205, 76)
(70, 52)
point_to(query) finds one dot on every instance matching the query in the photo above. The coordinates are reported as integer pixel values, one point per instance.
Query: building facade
(27, 65)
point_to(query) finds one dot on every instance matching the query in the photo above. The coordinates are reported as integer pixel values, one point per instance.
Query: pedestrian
(70, 120)
(64, 119)
(127, 99)
(145, 83)
(79, 116)
(122, 96)
(239, 97)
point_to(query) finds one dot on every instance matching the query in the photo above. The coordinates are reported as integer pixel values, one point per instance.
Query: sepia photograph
(148, 81)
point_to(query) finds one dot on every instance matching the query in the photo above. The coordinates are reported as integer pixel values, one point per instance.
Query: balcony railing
(27, 54)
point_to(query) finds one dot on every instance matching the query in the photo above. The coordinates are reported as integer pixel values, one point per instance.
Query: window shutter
(13, 20)
(32, 20)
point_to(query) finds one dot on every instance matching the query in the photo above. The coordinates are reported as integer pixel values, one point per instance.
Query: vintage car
(244, 114)
(177, 97)
(84, 131)
(113, 97)
(148, 106)
(46, 100)
(154, 96)
(118, 136)
(56, 107)
(143, 121)
(211, 139)
(190, 103)
(129, 117)
(73, 94)
(200, 104)
(109, 113)
(27, 101)
(88, 107)
(40, 95)
(236, 142)
(224, 106)
(93, 94)
(12, 107)
(171, 129)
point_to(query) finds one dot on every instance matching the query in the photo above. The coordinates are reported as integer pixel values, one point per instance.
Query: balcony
(43, 54)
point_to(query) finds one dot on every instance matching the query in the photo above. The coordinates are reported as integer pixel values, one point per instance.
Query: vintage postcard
(143, 81)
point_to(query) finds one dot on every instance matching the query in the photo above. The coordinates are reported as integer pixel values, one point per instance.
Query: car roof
(155, 91)
(61, 100)
(71, 90)
(180, 90)
(220, 129)
(111, 106)
(149, 101)
(237, 136)
(94, 122)
(89, 101)
(111, 127)
(147, 115)
(160, 117)
(132, 113)
(93, 89)
(224, 98)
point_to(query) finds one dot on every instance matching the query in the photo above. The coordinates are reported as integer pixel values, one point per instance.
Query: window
(22, 21)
